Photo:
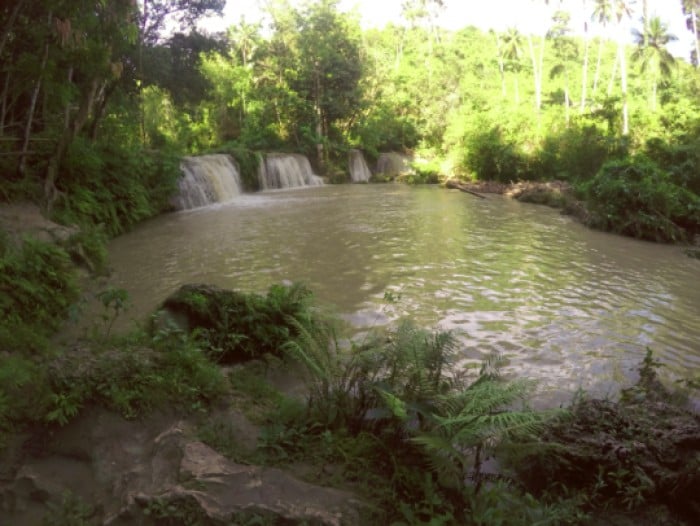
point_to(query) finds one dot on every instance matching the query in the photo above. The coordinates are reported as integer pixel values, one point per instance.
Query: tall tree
(584, 67)
(566, 51)
(91, 35)
(537, 59)
(652, 54)
(622, 9)
(329, 68)
(691, 10)
(512, 50)
(603, 15)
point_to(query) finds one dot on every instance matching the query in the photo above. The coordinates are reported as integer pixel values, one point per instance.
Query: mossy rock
(234, 326)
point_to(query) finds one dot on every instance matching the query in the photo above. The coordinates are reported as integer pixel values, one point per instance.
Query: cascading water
(359, 171)
(393, 164)
(207, 179)
(286, 170)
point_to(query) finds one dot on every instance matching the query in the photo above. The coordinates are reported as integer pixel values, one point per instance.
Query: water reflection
(570, 306)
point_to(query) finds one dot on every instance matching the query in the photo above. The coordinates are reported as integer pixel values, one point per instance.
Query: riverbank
(149, 428)
(564, 196)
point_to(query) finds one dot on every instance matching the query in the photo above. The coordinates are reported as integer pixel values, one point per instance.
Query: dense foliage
(79, 121)
(235, 326)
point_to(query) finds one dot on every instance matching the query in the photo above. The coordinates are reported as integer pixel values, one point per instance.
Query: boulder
(116, 472)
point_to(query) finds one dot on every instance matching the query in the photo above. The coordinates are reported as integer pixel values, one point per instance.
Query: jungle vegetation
(100, 99)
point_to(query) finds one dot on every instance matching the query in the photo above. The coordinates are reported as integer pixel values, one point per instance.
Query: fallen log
(463, 188)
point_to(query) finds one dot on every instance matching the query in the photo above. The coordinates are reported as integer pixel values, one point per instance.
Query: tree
(91, 38)
(538, 63)
(565, 50)
(584, 68)
(652, 55)
(329, 67)
(154, 14)
(603, 15)
(691, 10)
(623, 10)
(512, 54)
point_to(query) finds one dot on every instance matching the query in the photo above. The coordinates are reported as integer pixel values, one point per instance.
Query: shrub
(577, 153)
(681, 160)
(103, 184)
(132, 378)
(492, 157)
(635, 197)
(37, 288)
(234, 326)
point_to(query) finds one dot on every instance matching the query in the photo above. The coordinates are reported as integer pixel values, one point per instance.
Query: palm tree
(501, 65)
(584, 70)
(512, 52)
(618, 10)
(691, 9)
(623, 9)
(244, 37)
(602, 13)
(538, 62)
(652, 55)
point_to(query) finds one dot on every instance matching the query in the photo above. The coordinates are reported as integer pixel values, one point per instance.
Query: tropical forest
(302, 269)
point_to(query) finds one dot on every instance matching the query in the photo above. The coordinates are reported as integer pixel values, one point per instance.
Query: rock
(25, 219)
(391, 165)
(126, 472)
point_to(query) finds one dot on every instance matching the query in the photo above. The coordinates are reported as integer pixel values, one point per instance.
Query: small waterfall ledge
(207, 179)
(393, 164)
(286, 170)
(359, 171)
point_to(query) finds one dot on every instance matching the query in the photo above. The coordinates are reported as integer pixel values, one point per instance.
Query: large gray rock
(127, 471)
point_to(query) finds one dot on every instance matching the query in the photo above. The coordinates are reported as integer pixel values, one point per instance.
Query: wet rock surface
(136, 472)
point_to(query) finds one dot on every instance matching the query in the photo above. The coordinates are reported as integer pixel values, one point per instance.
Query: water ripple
(566, 305)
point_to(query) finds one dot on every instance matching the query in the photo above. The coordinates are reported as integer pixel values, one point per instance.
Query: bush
(234, 326)
(493, 158)
(103, 184)
(248, 163)
(681, 160)
(132, 378)
(37, 289)
(577, 153)
(635, 197)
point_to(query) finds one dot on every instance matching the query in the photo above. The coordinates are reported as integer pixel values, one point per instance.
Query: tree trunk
(566, 98)
(319, 118)
(537, 70)
(8, 26)
(22, 162)
(696, 39)
(596, 77)
(69, 133)
(100, 108)
(623, 79)
(614, 72)
(3, 108)
(503, 78)
(584, 74)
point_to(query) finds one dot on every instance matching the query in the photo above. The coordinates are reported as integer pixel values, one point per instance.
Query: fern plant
(469, 423)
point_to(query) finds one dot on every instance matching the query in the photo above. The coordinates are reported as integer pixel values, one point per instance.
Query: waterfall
(207, 179)
(393, 164)
(359, 171)
(286, 170)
